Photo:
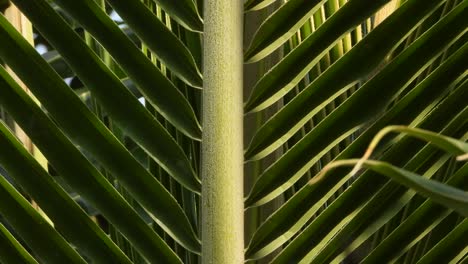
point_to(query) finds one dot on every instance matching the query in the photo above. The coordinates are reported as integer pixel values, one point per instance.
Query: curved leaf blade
(313, 98)
(156, 87)
(11, 251)
(184, 13)
(449, 247)
(446, 195)
(349, 204)
(383, 206)
(446, 143)
(370, 225)
(47, 243)
(87, 131)
(369, 101)
(169, 49)
(82, 176)
(110, 92)
(279, 27)
(416, 226)
(287, 74)
(297, 211)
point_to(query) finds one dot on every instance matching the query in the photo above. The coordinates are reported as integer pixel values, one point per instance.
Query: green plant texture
(230, 132)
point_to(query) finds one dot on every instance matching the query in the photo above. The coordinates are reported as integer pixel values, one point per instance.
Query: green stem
(222, 148)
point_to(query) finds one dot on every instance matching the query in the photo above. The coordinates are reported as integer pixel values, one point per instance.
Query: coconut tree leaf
(46, 243)
(287, 73)
(296, 212)
(317, 95)
(85, 130)
(380, 219)
(184, 13)
(56, 203)
(84, 178)
(450, 246)
(416, 226)
(348, 206)
(286, 21)
(279, 27)
(446, 143)
(368, 219)
(391, 196)
(156, 87)
(169, 49)
(11, 251)
(138, 121)
(299, 159)
(85, 94)
(143, 187)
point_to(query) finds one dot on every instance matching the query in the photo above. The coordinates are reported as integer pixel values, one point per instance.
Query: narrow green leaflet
(369, 101)
(253, 5)
(185, 13)
(287, 20)
(376, 212)
(86, 97)
(62, 210)
(295, 213)
(446, 195)
(11, 251)
(317, 95)
(449, 247)
(446, 143)
(87, 131)
(120, 104)
(369, 52)
(350, 203)
(46, 243)
(279, 27)
(194, 43)
(416, 226)
(169, 49)
(157, 88)
(85, 179)
(379, 216)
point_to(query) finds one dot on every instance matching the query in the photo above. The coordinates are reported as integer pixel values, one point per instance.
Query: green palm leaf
(343, 216)
(416, 226)
(450, 246)
(284, 76)
(298, 160)
(11, 250)
(133, 115)
(86, 180)
(169, 49)
(282, 25)
(114, 156)
(130, 58)
(87, 131)
(185, 13)
(281, 226)
(47, 243)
